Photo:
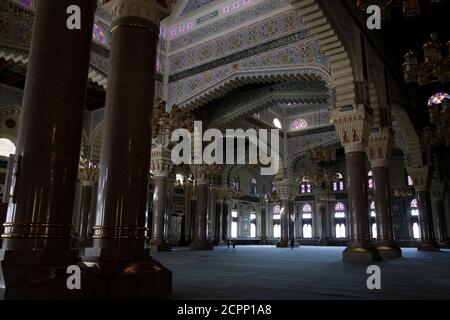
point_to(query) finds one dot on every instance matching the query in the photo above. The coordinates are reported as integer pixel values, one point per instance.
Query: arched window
(305, 186)
(253, 225)
(276, 221)
(98, 35)
(7, 147)
(410, 182)
(307, 221)
(234, 224)
(414, 209)
(237, 184)
(340, 220)
(299, 124)
(338, 185)
(253, 187)
(370, 180)
(373, 219)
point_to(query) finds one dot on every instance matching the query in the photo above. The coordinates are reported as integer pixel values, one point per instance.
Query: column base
(444, 244)
(126, 275)
(160, 245)
(201, 245)
(361, 252)
(42, 275)
(389, 250)
(283, 244)
(428, 246)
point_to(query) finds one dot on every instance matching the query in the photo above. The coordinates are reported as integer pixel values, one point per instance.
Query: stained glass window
(414, 203)
(339, 207)
(98, 35)
(410, 181)
(299, 124)
(307, 208)
(370, 180)
(338, 185)
(438, 98)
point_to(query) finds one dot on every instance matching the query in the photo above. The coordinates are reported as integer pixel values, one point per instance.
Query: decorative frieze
(353, 128)
(161, 163)
(380, 147)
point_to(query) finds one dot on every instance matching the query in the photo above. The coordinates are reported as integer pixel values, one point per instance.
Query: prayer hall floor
(266, 272)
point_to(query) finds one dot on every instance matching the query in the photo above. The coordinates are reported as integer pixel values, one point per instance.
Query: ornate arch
(244, 77)
(332, 46)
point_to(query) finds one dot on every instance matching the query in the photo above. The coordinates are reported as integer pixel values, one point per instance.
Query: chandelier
(410, 8)
(319, 176)
(165, 122)
(88, 169)
(322, 154)
(435, 68)
(439, 109)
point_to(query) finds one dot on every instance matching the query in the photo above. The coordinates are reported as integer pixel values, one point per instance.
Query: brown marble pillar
(264, 210)
(217, 222)
(427, 237)
(284, 224)
(201, 243)
(225, 221)
(158, 241)
(386, 245)
(120, 233)
(322, 214)
(444, 241)
(37, 233)
(291, 217)
(193, 216)
(86, 212)
(360, 247)
(420, 176)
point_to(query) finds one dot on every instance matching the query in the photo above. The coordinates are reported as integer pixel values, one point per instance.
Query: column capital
(161, 163)
(152, 10)
(380, 146)
(286, 189)
(353, 127)
(420, 177)
(204, 173)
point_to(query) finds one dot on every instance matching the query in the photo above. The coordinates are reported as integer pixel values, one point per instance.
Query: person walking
(228, 243)
(292, 244)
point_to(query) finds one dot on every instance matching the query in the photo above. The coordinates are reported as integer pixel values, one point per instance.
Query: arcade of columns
(37, 235)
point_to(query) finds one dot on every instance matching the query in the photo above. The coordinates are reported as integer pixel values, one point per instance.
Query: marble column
(264, 210)
(37, 233)
(193, 217)
(87, 214)
(322, 208)
(158, 241)
(427, 237)
(379, 150)
(437, 200)
(120, 232)
(218, 222)
(386, 245)
(202, 179)
(360, 247)
(286, 191)
(353, 128)
(225, 215)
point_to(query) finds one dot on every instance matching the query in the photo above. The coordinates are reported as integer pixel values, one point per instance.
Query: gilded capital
(151, 10)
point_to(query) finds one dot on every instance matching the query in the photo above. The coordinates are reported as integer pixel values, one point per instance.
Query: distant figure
(228, 243)
(292, 244)
(234, 245)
